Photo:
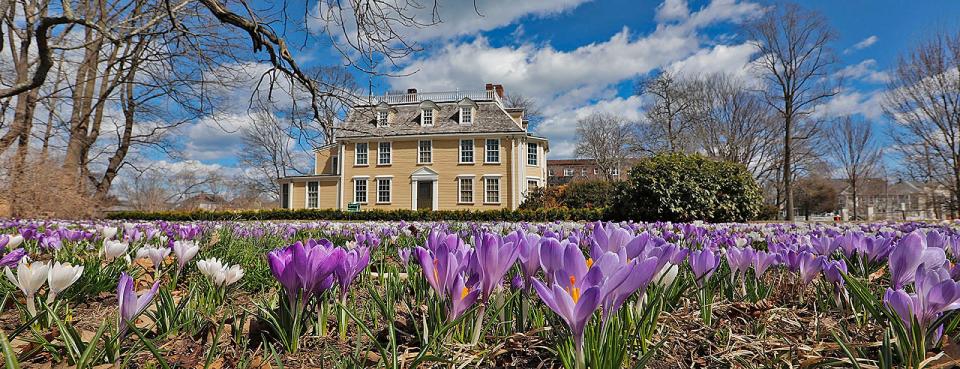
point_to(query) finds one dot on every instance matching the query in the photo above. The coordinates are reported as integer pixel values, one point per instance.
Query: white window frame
(423, 117)
(389, 153)
(473, 189)
(615, 172)
(583, 172)
(469, 112)
(313, 195)
(366, 189)
(486, 190)
(535, 155)
(473, 157)
(335, 164)
(366, 154)
(568, 172)
(420, 152)
(389, 180)
(383, 119)
(487, 151)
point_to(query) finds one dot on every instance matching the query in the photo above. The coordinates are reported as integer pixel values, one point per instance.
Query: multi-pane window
(426, 117)
(493, 150)
(361, 151)
(335, 163)
(313, 195)
(360, 190)
(383, 190)
(466, 115)
(466, 190)
(383, 153)
(583, 172)
(568, 172)
(615, 171)
(550, 172)
(382, 118)
(532, 158)
(491, 189)
(532, 184)
(285, 195)
(466, 151)
(425, 152)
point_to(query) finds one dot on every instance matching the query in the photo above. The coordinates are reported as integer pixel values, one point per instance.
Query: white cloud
(563, 126)
(727, 59)
(564, 80)
(863, 44)
(672, 10)
(847, 102)
(450, 19)
(865, 71)
(215, 137)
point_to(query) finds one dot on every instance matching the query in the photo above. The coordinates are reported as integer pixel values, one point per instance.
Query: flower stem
(478, 324)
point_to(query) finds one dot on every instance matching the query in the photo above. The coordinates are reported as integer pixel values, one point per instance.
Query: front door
(424, 195)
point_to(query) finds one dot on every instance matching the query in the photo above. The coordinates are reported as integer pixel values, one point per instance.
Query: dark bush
(535, 215)
(680, 187)
(587, 194)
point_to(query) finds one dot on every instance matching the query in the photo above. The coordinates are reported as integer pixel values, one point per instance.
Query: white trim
(472, 115)
(366, 190)
(492, 175)
(499, 190)
(439, 135)
(414, 183)
(389, 158)
(418, 152)
(467, 175)
(473, 189)
(473, 151)
(499, 151)
(433, 117)
(389, 189)
(356, 158)
(307, 192)
(360, 177)
(536, 148)
(383, 176)
(340, 185)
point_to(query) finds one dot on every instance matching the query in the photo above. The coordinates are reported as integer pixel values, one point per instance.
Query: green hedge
(537, 215)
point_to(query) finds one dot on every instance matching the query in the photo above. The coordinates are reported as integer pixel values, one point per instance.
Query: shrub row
(533, 215)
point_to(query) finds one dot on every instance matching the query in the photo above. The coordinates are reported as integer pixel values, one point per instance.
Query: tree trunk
(787, 163)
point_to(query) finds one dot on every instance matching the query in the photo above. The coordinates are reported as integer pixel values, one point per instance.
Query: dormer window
(426, 117)
(382, 118)
(468, 109)
(428, 113)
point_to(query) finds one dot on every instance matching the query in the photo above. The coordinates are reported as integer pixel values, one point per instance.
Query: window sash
(466, 151)
(425, 152)
(360, 191)
(383, 190)
(466, 115)
(382, 117)
(492, 151)
(361, 151)
(491, 190)
(466, 190)
(427, 117)
(384, 148)
(532, 154)
(313, 195)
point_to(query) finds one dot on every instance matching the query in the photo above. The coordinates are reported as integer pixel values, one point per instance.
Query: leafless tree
(164, 188)
(268, 154)
(531, 110)
(923, 98)
(668, 126)
(733, 123)
(852, 147)
(795, 63)
(605, 138)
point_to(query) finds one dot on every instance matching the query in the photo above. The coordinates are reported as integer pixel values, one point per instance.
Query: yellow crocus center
(436, 275)
(464, 293)
(574, 291)
(589, 263)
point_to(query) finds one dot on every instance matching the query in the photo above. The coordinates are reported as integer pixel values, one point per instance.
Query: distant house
(205, 201)
(563, 171)
(880, 199)
(425, 151)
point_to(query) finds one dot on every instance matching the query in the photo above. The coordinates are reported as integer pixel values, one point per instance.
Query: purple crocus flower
(404, 254)
(305, 268)
(440, 268)
(12, 258)
(494, 258)
(739, 260)
(354, 261)
(703, 263)
(810, 266)
(909, 255)
(529, 255)
(628, 279)
(130, 304)
(762, 261)
(935, 293)
(575, 303)
(462, 297)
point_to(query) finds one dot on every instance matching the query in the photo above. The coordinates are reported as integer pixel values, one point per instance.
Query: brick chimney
(499, 89)
(411, 90)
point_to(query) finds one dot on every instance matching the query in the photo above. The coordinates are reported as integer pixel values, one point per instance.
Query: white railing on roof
(401, 98)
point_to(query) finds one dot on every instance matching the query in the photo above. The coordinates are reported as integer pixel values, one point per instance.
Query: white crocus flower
(109, 232)
(219, 273)
(14, 241)
(185, 251)
(155, 254)
(60, 277)
(113, 249)
(29, 279)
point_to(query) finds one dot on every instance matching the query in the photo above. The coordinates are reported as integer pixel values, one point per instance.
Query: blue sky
(575, 57)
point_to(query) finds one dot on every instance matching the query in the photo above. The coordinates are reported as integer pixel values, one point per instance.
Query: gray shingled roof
(406, 121)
